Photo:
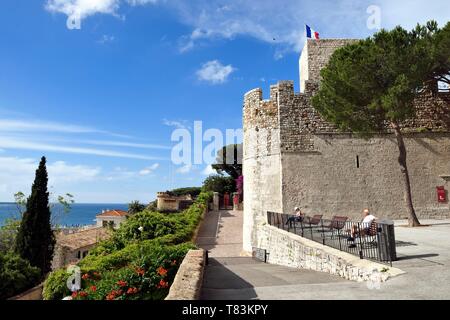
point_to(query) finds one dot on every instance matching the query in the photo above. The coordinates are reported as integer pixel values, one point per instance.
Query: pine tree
(35, 240)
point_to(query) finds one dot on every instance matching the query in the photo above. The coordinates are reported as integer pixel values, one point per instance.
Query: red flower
(113, 294)
(93, 288)
(110, 296)
(161, 271)
(122, 283)
(162, 284)
(132, 290)
(85, 276)
(74, 294)
(140, 271)
(83, 294)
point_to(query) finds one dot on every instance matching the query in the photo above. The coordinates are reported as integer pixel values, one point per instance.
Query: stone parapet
(31, 294)
(188, 281)
(291, 250)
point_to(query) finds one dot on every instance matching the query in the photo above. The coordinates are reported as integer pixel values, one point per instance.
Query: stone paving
(229, 276)
(424, 253)
(221, 233)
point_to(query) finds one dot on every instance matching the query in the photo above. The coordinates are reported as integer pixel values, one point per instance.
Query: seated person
(365, 225)
(297, 217)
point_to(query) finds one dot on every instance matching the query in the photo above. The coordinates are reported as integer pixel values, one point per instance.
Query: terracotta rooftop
(113, 213)
(82, 239)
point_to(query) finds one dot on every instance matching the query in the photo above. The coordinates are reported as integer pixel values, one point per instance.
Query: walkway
(424, 253)
(232, 277)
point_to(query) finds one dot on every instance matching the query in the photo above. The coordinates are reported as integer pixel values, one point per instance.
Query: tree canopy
(220, 184)
(135, 207)
(229, 160)
(372, 83)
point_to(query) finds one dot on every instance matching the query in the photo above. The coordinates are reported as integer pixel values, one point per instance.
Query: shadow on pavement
(419, 256)
(220, 283)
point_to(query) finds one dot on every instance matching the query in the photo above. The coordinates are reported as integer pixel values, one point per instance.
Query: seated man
(297, 217)
(365, 227)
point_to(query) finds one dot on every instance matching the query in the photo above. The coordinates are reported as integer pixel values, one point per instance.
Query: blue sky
(101, 102)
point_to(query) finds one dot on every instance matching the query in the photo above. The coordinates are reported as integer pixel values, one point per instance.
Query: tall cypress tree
(35, 240)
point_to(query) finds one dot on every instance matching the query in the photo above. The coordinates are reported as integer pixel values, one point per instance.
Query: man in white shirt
(365, 226)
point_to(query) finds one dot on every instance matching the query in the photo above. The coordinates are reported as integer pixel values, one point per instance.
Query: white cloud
(60, 171)
(32, 135)
(17, 174)
(83, 8)
(141, 2)
(125, 144)
(11, 125)
(149, 170)
(20, 144)
(410, 12)
(14, 125)
(215, 72)
(179, 124)
(281, 25)
(185, 169)
(208, 171)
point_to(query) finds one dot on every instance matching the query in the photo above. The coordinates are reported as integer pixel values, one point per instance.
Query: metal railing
(374, 241)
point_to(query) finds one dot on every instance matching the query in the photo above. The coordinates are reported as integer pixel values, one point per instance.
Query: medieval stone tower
(292, 157)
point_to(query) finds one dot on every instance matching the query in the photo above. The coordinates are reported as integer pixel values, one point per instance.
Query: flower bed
(134, 264)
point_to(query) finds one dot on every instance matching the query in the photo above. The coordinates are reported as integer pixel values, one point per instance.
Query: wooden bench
(367, 232)
(313, 222)
(337, 223)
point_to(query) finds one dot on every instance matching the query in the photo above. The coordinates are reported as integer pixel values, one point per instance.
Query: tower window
(357, 162)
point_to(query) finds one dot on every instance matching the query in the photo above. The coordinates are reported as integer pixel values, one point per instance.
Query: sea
(81, 214)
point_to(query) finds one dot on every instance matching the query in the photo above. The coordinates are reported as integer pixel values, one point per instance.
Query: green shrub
(153, 225)
(149, 271)
(55, 286)
(161, 245)
(16, 275)
(193, 191)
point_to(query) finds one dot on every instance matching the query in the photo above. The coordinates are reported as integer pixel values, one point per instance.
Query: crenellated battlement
(296, 119)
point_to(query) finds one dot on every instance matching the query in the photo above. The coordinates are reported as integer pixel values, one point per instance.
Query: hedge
(16, 275)
(134, 264)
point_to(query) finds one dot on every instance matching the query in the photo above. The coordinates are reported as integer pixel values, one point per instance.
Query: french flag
(311, 34)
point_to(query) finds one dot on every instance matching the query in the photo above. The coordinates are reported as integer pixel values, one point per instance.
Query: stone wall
(293, 251)
(329, 181)
(31, 294)
(189, 279)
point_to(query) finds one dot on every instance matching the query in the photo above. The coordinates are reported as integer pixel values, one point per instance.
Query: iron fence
(374, 241)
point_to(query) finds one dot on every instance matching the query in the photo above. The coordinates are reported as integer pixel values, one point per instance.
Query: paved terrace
(424, 253)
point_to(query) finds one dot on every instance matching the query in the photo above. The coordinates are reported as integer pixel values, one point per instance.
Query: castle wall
(329, 182)
(262, 163)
